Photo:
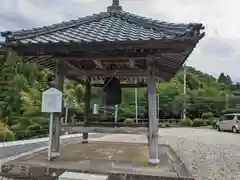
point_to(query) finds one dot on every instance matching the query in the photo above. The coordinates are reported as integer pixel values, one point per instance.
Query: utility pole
(66, 110)
(226, 100)
(136, 105)
(184, 89)
(158, 106)
(116, 113)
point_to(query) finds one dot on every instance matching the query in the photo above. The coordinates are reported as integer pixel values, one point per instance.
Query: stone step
(81, 176)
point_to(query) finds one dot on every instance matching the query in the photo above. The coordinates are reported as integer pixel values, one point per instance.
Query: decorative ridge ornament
(115, 3)
(115, 7)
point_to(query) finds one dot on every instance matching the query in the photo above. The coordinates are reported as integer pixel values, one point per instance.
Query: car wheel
(218, 128)
(234, 129)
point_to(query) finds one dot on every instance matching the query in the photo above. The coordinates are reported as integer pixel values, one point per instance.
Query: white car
(229, 122)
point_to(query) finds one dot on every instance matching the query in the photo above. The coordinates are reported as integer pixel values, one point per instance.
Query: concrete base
(153, 161)
(81, 176)
(125, 164)
(55, 155)
(84, 141)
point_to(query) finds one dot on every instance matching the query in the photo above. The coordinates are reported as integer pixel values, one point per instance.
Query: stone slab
(81, 176)
(167, 168)
(118, 130)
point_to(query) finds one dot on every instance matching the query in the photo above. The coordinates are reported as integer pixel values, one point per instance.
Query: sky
(218, 51)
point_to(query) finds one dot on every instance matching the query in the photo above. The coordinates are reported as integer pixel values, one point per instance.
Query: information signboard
(52, 100)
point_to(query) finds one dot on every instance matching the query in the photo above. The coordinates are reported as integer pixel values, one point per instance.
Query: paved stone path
(18, 148)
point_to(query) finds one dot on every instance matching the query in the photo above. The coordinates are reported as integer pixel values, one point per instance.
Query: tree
(225, 79)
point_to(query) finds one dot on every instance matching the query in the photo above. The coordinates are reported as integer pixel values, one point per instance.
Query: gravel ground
(210, 155)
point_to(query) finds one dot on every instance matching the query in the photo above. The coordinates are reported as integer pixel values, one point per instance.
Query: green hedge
(129, 121)
(198, 123)
(210, 121)
(6, 134)
(207, 115)
(170, 121)
(30, 127)
(33, 130)
(19, 130)
(186, 122)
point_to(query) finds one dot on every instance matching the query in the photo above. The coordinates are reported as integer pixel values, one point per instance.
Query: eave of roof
(102, 27)
(154, 26)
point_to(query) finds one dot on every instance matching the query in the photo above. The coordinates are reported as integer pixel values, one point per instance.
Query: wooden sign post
(51, 103)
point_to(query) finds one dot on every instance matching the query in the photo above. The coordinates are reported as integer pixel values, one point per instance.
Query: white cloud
(217, 52)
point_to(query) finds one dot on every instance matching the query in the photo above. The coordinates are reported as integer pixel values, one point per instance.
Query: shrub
(129, 121)
(25, 122)
(186, 122)
(32, 111)
(33, 130)
(19, 130)
(164, 125)
(161, 120)
(41, 120)
(207, 115)
(209, 121)
(167, 125)
(170, 121)
(198, 123)
(35, 127)
(6, 134)
(9, 136)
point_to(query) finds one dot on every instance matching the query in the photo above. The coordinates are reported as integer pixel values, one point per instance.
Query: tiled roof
(115, 25)
(106, 26)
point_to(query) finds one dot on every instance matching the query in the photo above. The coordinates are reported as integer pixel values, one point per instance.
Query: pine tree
(222, 78)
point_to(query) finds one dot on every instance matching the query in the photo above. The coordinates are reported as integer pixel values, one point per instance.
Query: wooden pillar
(58, 85)
(153, 122)
(87, 99)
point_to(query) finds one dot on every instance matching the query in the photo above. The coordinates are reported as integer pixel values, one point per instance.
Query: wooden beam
(83, 55)
(74, 78)
(72, 67)
(93, 54)
(153, 122)
(106, 124)
(132, 63)
(87, 99)
(106, 59)
(163, 45)
(121, 130)
(99, 64)
(75, 71)
(124, 79)
(89, 73)
(59, 85)
(123, 85)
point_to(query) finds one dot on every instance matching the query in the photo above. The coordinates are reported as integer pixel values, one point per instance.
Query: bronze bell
(112, 89)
